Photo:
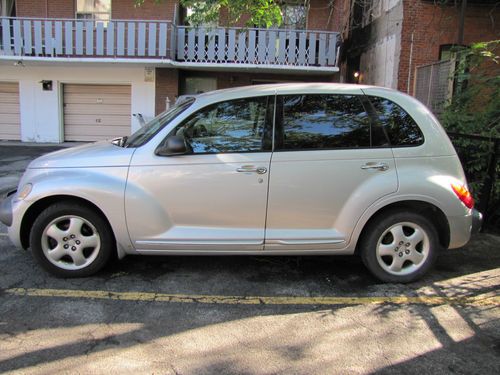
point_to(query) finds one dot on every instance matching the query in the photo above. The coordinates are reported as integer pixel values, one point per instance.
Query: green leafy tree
(262, 13)
(475, 109)
(475, 106)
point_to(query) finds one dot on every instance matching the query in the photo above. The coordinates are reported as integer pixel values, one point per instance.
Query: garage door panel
(9, 87)
(95, 112)
(10, 128)
(10, 118)
(98, 131)
(76, 120)
(97, 89)
(10, 108)
(9, 97)
(123, 99)
(86, 109)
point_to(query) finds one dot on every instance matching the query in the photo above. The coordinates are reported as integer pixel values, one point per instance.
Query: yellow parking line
(481, 300)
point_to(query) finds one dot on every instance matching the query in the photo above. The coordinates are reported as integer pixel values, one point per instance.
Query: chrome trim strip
(302, 242)
(198, 243)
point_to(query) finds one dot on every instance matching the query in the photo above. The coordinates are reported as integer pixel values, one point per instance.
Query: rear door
(330, 163)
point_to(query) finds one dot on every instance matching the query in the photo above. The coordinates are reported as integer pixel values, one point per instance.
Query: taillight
(463, 194)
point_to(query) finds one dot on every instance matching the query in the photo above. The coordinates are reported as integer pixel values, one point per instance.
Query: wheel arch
(426, 209)
(36, 208)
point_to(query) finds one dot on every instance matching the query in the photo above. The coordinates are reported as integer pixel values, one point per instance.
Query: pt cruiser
(286, 169)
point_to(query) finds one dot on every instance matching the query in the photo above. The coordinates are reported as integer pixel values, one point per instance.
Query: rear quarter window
(399, 126)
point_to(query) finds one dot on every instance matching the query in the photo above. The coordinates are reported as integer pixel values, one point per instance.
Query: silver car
(286, 169)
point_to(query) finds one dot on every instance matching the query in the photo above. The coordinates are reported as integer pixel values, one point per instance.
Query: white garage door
(10, 119)
(95, 112)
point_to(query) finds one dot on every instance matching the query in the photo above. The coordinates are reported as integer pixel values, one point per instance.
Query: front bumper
(6, 209)
(477, 221)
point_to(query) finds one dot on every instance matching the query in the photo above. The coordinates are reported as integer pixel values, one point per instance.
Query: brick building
(388, 40)
(73, 70)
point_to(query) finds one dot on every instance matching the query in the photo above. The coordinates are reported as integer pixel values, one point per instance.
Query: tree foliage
(475, 106)
(475, 109)
(261, 13)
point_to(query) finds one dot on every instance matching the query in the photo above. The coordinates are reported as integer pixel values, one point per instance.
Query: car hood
(99, 154)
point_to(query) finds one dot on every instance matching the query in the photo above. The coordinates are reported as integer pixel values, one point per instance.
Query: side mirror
(174, 145)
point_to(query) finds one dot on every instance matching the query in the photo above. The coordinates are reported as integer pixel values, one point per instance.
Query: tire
(399, 247)
(70, 240)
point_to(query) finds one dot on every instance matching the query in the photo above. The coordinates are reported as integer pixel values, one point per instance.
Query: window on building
(98, 10)
(294, 15)
(455, 53)
(448, 51)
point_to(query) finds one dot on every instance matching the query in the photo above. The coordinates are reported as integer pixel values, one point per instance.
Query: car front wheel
(69, 240)
(400, 247)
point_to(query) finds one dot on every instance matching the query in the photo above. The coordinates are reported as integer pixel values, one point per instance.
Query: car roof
(281, 88)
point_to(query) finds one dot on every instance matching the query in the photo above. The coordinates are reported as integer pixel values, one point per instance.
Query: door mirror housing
(173, 145)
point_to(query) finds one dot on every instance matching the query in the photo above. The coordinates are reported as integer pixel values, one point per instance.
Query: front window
(98, 10)
(149, 130)
(240, 125)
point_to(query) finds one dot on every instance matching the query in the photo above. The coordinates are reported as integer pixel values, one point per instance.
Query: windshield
(147, 132)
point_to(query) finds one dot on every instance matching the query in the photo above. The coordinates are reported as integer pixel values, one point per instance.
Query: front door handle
(379, 166)
(251, 168)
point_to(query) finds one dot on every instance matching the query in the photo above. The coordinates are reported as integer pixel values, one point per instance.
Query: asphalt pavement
(246, 315)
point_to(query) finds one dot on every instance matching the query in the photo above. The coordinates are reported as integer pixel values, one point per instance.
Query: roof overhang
(167, 63)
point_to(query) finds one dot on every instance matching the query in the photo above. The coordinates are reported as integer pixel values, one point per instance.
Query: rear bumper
(477, 221)
(462, 227)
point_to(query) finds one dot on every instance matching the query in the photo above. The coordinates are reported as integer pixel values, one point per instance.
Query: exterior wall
(379, 62)
(37, 8)
(225, 80)
(321, 15)
(167, 86)
(167, 81)
(125, 10)
(433, 25)
(120, 9)
(327, 15)
(41, 111)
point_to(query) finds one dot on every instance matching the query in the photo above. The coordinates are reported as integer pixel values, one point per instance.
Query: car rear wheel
(399, 247)
(69, 240)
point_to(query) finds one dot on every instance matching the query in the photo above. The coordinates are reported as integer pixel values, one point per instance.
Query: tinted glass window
(149, 130)
(315, 122)
(399, 126)
(232, 126)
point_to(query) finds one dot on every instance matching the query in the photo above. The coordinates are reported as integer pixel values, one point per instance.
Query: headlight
(25, 191)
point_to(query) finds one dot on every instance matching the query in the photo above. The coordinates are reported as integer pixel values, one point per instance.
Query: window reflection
(324, 122)
(397, 123)
(231, 126)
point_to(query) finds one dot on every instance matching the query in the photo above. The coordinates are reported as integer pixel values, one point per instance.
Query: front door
(329, 165)
(213, 197)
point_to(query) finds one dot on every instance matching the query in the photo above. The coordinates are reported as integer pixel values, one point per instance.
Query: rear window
(318, 122)
(398, 125)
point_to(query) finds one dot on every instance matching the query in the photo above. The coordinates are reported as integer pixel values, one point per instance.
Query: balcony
(257, 46)
(162, 42)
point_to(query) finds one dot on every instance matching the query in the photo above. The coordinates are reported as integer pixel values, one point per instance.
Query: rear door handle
(251, 168)
(379, 166)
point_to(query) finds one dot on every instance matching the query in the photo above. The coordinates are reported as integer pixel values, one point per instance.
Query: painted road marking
(4, 235)
(489, 299)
